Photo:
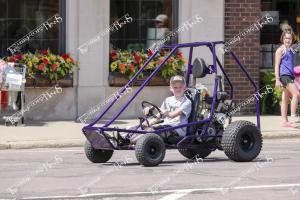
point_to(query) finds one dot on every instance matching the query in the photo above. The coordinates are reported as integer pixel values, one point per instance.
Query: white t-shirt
(171, 104)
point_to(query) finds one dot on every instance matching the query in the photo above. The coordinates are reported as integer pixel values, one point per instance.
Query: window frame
(61, 32)
(175, 21)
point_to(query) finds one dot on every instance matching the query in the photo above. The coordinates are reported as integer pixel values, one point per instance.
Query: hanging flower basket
(124, 64)
(46, 69)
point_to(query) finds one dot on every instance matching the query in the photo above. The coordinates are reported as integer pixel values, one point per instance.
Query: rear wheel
(150, 150)
(97, 155)
(195, 153)
(242, 141)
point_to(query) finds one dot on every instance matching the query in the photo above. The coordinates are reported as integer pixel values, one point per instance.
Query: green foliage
(270, 103)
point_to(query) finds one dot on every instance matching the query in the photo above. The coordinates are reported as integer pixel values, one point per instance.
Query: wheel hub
(247, 141)
(152, 150)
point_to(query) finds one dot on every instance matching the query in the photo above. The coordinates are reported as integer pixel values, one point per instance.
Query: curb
(80, 142)
(287, 134)
(4, 146)
(42, 144)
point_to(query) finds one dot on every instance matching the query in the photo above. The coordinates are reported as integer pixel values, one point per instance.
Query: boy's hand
(153, 121)
(146, 110)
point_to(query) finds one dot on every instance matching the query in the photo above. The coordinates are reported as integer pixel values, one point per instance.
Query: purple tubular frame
(254, 85)
(211, 45)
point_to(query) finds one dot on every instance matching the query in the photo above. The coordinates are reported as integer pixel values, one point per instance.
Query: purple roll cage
(99, 140)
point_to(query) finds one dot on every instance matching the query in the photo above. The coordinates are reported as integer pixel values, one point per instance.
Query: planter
(117, 79)
(40, 81)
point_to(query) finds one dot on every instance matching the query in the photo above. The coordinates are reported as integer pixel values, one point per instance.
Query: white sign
(14, 79)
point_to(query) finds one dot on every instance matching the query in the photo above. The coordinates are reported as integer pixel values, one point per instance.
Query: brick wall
(240, 14)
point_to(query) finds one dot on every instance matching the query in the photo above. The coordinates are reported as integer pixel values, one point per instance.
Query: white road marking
(177, 191)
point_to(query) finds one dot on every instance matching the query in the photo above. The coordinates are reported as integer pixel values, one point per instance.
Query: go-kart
(205, 131)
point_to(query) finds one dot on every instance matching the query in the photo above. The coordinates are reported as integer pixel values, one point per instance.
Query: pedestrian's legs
(292, 88)
(284, 104)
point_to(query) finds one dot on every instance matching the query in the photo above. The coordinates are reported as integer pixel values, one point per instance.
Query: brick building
(240, 14)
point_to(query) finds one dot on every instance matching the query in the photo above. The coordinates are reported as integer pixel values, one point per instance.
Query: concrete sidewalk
(68, 133)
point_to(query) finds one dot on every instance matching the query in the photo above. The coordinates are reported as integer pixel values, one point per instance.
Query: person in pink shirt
(297, 76)
(3, 94)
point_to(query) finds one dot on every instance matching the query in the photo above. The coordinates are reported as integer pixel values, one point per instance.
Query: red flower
(132, 67)
(65, 56)
(137, 58)
(54, 66)
(122, 68)
(41, 67)
(12, 59)
(18, 57)
(150, 52)
(114, 55)
(44, 52)
(179, 55)
(45, 61)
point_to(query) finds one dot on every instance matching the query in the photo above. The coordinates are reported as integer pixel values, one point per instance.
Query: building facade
(83, 20)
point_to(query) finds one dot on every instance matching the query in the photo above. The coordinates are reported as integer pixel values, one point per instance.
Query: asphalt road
(67, 174)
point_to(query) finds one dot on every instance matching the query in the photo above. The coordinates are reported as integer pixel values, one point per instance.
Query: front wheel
(242, 141)
(150, 150)
(97, 155)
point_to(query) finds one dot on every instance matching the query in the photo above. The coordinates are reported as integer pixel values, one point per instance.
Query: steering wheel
(150, 113)
(153, 107)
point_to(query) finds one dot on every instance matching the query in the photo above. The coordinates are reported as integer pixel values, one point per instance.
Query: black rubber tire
(97, 155)
(242, 141)
(195, 153)
(150, 150)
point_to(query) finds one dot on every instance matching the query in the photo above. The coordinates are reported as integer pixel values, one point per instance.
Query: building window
(20, 17)
(152, 19)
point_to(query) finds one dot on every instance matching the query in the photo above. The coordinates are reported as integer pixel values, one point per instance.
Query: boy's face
(177, 89)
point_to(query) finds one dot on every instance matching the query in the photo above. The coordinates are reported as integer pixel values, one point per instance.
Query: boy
(175, 109)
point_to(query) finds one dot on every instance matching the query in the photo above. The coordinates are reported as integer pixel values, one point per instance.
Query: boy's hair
(177, 79)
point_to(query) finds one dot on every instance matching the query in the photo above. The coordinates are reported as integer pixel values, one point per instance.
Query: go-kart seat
(193, 95)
